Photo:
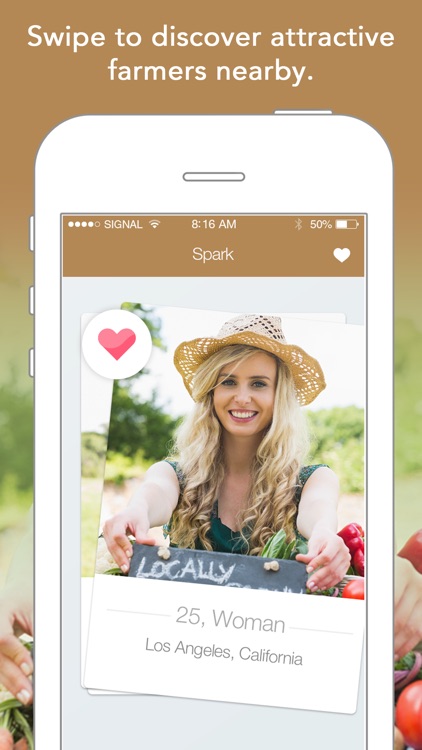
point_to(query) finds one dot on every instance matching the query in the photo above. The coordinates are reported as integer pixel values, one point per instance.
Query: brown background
(126, 252)
(43, 86)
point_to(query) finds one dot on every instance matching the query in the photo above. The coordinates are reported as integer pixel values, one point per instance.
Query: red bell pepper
(353, 536)
(358, 562)
(356, 544)
(351, 531)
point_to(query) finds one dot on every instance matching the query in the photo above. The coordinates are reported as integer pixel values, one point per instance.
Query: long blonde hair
(199, 453)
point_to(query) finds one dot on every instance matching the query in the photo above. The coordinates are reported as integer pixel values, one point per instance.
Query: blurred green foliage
(16, 435)
(91, 495)
(337, 439)
(120, 468)
(136, 425)
(408, 398)
(139, 428)
(93, 448)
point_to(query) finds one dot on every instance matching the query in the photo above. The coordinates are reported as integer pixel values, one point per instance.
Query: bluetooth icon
(298, 224)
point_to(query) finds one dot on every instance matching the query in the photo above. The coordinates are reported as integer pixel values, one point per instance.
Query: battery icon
(347, 224)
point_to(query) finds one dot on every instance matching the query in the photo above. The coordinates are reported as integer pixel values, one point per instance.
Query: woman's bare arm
(152, 505)
(317, 521)
(318, 502)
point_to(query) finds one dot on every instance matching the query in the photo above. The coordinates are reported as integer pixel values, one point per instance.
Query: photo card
(220, 471)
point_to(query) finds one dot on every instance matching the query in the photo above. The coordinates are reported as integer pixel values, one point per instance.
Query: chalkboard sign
(216, 569)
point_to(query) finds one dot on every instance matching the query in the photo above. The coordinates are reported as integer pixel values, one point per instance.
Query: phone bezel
(132, 164)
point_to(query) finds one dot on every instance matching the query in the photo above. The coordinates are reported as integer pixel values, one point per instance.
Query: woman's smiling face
(244, 396)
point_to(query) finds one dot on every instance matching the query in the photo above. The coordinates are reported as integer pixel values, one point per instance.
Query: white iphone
(213, 396)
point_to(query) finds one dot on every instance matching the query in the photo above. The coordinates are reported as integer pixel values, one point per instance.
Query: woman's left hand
(328, 556)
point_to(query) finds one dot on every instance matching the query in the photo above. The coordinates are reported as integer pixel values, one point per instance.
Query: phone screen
(213, 446)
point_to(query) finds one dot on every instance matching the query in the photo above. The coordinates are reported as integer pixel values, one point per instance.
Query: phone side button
(31, 240)
(31, 300)
(31, 363)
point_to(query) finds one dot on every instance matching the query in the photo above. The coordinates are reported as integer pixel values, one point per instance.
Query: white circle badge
(116, 344)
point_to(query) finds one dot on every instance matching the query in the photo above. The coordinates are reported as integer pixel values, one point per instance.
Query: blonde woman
(237, 475)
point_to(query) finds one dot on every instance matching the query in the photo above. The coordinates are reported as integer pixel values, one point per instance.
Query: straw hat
(263, 332)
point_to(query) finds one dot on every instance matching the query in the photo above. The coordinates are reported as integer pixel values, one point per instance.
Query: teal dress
(221, 537)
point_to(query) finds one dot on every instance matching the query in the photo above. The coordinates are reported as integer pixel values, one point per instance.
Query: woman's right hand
(15, 660)
(151, 506)
(133, 520)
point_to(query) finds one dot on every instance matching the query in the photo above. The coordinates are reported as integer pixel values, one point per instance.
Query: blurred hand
(407, 607)
(16, 664)
(328, 556)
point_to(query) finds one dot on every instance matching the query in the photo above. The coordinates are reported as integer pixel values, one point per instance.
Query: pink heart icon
(116, 344)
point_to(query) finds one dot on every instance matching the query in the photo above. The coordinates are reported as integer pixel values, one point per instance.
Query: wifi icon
(154, 223)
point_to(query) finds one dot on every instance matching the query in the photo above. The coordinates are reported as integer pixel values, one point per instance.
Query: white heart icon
(341, 253)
